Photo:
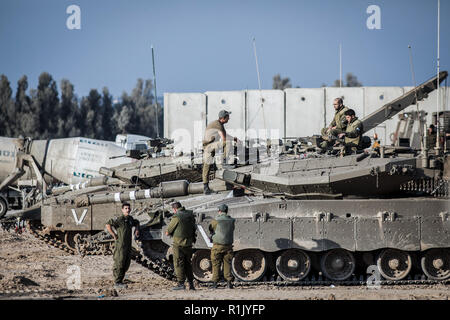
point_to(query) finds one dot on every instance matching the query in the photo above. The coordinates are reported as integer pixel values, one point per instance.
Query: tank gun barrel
(409, 98)
(164, 190)
(92, 182)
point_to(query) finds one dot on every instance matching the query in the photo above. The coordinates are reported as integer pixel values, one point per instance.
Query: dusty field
(31, 269)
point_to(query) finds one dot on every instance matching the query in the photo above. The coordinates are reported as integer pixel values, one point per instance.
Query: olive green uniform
(182, 227)
(222, 251)
(122, 250)
(339, 122)
(353, 134)
(211, 143)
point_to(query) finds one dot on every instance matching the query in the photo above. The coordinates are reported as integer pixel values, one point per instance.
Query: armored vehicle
(378, 216)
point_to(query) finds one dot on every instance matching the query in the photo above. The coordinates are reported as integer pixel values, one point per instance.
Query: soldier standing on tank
(353, 132)
(183, 230)
(122, 250)
(337, 126)
(222, 229)
(431, 137)
(215, 138)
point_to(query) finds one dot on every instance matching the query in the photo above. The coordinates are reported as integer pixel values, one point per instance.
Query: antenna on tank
(340, 65)
(259, 84)
(156, 97)
(437, 148)
(421, 133)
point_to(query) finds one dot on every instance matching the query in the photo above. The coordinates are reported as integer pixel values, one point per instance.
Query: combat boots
(191, 285)
(180, 286)
(206, 189)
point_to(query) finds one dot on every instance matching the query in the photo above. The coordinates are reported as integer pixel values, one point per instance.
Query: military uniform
(122, 251)
(339, 122)
(211, 143)
(182, 227)
(222, 251)
(353, 134)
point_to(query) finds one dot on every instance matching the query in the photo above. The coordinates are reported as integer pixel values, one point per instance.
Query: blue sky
(207, 45)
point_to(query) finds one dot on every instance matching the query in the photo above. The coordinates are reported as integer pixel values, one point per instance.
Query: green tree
(26, 120)
(136, 113)
(107, 117)
(281, 83)
(46, 104)
(91, 115)
(68, 117)
(350, 81)
(7, 117)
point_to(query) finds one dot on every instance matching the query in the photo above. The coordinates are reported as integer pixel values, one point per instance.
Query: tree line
(283, 83)
(44, 113)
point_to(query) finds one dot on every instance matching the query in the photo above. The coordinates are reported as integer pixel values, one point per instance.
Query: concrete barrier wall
(305, 111)
(375, 98)
(185, 119)
(265, 113)
(233, 101)
(293, 112)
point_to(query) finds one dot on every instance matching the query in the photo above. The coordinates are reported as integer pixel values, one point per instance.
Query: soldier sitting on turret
(336, 126)
(353, 132)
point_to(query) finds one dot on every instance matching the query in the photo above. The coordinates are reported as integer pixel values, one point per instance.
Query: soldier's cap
(224, 113)
(223, 208)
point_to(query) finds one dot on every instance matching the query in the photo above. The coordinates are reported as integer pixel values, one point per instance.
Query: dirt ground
(31, 269)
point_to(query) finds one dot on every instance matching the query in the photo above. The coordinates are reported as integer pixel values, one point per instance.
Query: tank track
(164, 268)
(159, 266)
(34, 230)
(311, 282)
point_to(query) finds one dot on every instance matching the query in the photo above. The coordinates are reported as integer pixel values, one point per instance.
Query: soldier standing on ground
(182, 228)
(337, 126)
(215, 138)
(122, 251)
(353, 132)
(222, 229)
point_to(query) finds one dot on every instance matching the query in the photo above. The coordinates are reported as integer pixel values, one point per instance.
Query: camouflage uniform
(339, 122)
(182, 227)
(211, 143)
(122, 250)
(353, 134)
(222, 251)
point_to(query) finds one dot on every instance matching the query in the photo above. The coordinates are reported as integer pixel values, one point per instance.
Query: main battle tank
(301, 218)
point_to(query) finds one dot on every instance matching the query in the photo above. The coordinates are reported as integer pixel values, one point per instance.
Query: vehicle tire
(3, 207)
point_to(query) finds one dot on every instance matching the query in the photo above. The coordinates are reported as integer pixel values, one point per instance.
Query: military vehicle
(379, 216)
(28, 166)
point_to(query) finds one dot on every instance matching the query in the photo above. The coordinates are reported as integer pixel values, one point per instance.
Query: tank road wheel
(249, 265)
(436, 264)
(394, 264)
(202, 266)
(293, 265)
(3, 207)
(70, 239)
(337, 264)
